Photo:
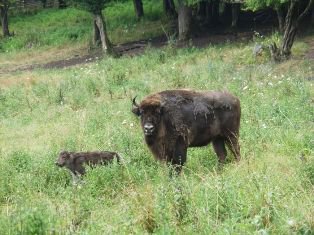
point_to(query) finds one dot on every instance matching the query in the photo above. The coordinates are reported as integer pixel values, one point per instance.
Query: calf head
(64, 159)
(151, 114)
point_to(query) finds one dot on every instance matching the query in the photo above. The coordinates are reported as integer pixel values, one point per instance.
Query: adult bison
(174, 120)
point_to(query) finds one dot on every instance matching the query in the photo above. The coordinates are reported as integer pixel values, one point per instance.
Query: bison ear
(136, 111)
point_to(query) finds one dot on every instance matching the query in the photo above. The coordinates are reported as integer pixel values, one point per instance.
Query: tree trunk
(169, 8)
(281, 18)
(235, 15)
(62, 4)
(138, 6)
(202, 9)
(96, 36)
(100, 34)
(4, 20)
(290, 31)
(209, 12)
(44, 2)
(215, 12)
(184, 21)
(312, 15)
(287, 41)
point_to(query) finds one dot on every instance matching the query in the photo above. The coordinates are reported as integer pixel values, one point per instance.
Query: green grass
(88, 107)
(53, 27)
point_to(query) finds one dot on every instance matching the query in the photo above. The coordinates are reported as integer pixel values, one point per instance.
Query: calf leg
(220, 150)
(75, 178)
(233, 145)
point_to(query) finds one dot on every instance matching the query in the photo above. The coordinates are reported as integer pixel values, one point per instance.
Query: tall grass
(54, 27)
(88, 108)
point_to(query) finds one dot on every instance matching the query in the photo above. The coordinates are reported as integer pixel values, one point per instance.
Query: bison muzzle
(174, 120)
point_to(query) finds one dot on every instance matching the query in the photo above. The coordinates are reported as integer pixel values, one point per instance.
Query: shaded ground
(310, 53)
(138, 47)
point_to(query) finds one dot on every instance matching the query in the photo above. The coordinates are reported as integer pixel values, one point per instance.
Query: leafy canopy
(261, 4)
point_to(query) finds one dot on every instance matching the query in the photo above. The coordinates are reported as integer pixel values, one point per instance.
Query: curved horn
(134, 102)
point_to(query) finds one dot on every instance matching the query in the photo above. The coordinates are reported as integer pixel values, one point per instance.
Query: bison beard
(174, 120)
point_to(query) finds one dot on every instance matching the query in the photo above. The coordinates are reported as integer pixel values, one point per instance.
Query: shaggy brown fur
(75, 161)
(174, 120)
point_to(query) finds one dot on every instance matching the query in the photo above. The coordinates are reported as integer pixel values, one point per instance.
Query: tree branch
(308, 7)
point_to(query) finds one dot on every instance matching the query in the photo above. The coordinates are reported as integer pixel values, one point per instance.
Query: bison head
(150, 113)
(63, 159)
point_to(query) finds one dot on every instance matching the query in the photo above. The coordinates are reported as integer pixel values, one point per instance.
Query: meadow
(88, 107)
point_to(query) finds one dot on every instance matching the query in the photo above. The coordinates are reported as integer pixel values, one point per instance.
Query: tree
(235, 14)
(169, 8)
(100, 32)
(62, 4)
(184, 19)
(4, 9)
(208, 10)
(291, 24)
(138, 6)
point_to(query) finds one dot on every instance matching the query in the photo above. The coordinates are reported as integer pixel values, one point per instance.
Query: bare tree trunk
(201, 9)
(62, 4)
(169, 8)
(281, 19)
(235, 15)
(290, 31)
(312, 16)
(96, 36)
(138, 6)
(4, 19)
(184, 21)
(100, 32)
(215, 12)
(44, 2)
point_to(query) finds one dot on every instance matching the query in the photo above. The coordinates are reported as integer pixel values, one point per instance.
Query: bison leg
(75, 178)
(179, 155)
(233, 145)
(220, 150)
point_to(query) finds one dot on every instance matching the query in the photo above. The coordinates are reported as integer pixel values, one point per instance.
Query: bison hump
(203, 107)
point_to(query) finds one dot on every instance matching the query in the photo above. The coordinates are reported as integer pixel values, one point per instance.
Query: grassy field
(88, 107)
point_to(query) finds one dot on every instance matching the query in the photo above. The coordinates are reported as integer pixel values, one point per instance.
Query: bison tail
(118, 158)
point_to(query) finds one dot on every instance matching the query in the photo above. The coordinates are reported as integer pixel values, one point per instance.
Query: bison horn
(134, 102)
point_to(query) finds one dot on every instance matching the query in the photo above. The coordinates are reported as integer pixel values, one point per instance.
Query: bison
(174, 120)
(75, 161)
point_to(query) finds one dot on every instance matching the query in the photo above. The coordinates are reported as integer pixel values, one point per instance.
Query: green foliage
(261, 4)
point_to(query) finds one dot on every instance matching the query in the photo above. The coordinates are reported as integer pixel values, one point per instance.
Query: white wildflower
(291, 222)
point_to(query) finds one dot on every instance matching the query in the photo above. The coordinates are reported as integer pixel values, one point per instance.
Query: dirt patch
(135, 48)
(138, 47)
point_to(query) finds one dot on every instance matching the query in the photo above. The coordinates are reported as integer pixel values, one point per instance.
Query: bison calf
(75, 161)
(174, 120)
